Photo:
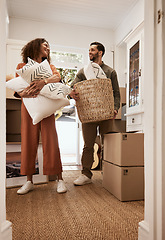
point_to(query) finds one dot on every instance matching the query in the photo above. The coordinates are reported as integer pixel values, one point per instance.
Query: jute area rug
(83, 213)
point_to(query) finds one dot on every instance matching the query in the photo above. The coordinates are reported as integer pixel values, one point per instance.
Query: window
(64, 57)
(67, 64)
(67, 75)
(134, 76)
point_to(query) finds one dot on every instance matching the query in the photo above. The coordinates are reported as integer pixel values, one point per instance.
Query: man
(96, 52)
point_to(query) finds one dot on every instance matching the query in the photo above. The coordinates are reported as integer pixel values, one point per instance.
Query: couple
(38, 50)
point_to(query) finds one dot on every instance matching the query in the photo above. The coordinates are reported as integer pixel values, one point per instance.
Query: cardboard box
(113, 126)
(123, 95)
(117, 126)
(124, 149)
(119, 114)
(121, 110)
(125, 183)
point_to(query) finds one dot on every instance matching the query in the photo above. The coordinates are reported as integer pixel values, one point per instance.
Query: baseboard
(6, 231)
(143, 231)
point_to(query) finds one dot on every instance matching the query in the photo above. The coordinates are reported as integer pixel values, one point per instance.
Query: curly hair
(32, 50)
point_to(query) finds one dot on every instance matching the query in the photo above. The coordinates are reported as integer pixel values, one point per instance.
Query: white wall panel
(61, 34)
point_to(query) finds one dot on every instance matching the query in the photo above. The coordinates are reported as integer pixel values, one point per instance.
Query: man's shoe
(61, 188)
(82, 180)
(27, 187)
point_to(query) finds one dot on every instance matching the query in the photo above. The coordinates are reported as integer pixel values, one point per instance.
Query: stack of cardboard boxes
(123, 165)
(123, 160)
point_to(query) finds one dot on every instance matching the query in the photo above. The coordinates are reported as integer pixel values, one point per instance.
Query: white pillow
(55, 90)
(42, 107)
(35, 71)
(17, 84)
(51, 90)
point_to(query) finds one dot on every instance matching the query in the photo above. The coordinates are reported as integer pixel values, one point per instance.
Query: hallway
(86, 213)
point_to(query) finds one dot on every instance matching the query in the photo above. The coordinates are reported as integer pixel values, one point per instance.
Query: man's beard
(95, 57)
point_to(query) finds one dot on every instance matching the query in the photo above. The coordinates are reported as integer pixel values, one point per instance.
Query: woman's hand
(54, 78)
(24, 94)
(35, 88)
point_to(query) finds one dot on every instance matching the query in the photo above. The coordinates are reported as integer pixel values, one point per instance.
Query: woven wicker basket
(96, 101)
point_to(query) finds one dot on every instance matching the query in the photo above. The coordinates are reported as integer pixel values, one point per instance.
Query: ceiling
(94, 13)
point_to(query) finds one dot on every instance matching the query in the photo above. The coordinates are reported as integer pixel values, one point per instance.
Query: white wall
(120, 64)
(134, 18)
(61, 34)
(67, 35)
(5, 226)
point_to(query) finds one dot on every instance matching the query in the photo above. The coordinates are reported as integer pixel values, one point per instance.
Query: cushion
(51, 90)
(17, 84)
(55, 90)
(35, 71)
(42, 107)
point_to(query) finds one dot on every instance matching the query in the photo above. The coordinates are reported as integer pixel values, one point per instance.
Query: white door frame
(153, 226)
(5, 226)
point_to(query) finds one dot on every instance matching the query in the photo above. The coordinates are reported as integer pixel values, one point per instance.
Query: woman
(38, 50)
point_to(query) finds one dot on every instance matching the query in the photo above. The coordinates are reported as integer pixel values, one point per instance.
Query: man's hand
(115, 114)
(74, 95)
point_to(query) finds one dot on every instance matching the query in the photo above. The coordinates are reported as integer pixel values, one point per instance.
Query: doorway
(68, 62)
